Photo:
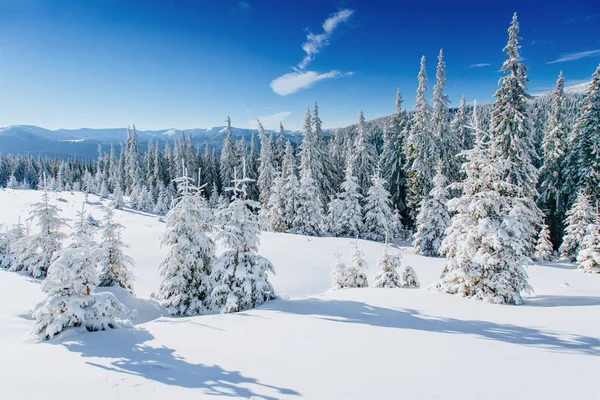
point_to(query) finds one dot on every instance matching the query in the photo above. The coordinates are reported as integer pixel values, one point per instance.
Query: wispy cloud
(315, 42)
(575, 56)
(480, 65)
(271, 121)
(295, 81)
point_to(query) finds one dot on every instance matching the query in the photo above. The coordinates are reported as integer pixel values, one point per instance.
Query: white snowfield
(312, 343)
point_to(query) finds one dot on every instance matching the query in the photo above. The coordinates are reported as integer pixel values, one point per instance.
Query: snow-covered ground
(314, 344)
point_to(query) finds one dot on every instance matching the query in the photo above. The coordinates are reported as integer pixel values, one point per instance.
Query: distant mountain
(85, 141)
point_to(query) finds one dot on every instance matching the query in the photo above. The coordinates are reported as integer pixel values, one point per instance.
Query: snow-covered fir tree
(544, 249)
(338, 273)
(393, 164)
(275, 213)
(355, 272)
(35, 253)
(267, 169)
(448, 145)
(420, 146)
(409, 278)
(8, 251)
(312, 155)
(579, 216)
(345, 216)
(588, 258)
(228, 160)
(118, 202)
(433, 218)
(186, 283)
(240, 274)
(459, 129)
(387, 276)
(552, 173)
(70, 301)
(587, 130)
(485, 246)
(309, 217)
(364, 155)
(380, 220)
(114, 265)
(511, 145)
(163, 202)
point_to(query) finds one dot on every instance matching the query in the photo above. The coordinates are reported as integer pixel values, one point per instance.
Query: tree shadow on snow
(128, 352)
(561, 301)
(352, 312)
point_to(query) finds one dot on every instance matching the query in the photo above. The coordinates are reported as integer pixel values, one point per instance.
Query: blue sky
(159, 64)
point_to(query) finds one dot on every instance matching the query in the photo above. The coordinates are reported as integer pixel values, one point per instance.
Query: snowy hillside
(311, 343)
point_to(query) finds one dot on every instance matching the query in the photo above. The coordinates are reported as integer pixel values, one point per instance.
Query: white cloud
(480, 65)
(315, 42)
(271, 121)
(295, 81)
(574, 56)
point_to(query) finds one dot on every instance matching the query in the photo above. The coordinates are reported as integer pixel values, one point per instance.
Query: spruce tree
(459, 129)
(409, 278)
(387, 276)
(433, 218)
(267, 170)
(486, 245)
(70, 301)
(579, 216)
(588, 258)
(338, 274)
(312, 156)
(380, 221)
(364, 155)
(308, 216)
(36, 253)
(448, 145)
(420, 146)
(114, 265)
(355, 275)
(511, 145)
(345, 211)
(552, 173)
(186, 283)
(240, 273)
(587, 129)
(228, 160)
(544, 249)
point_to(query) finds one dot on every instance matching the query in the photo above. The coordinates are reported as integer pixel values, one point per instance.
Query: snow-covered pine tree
(162, 201)
(312, 156)
(355, 275)
(420, 146)
(338, 273)
(579, 216)
(326, 184)
(459, 129)
(117, 201)
(240, 274)
(380, 221)
(70, 301)
(35, 253)
(511, 144)
(134, 173)
(433, 218)
(186, 283)
(552, 173)
(213, 199)
(387, 276)
(345, 211)
(253, 165)
(12, 236)
(364, 155)
(544, 249)
(485, 246)
(114, 265)
(448, 145)
(588, 258)
(587, 129)
(309, 216)
(275, 212)
(229, 159)
(267, 170)
(409, 278)
(284, 194)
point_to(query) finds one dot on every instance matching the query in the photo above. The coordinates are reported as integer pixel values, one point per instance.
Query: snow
(312, 343)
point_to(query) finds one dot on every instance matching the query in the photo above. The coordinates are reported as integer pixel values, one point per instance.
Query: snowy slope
(351, 344)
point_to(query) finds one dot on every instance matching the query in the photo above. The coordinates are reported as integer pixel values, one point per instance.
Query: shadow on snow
(352, 312)
(128, 352)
